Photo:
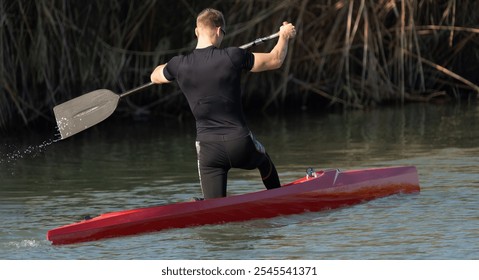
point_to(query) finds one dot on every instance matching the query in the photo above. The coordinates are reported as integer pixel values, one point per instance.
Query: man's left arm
(275, 58)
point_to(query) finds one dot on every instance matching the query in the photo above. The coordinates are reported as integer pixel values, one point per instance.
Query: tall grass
(354, 54)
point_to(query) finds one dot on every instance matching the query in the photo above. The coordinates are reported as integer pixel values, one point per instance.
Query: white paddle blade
(84, 111)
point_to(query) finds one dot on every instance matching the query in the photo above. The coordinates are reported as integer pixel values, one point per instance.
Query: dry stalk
(353, 53)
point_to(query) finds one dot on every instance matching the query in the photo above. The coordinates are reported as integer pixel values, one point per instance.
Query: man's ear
(196, 31)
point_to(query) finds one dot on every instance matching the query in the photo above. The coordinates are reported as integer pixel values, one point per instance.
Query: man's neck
(204, 42)
(203, 46)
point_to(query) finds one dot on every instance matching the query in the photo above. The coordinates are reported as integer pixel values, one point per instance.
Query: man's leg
(249, 153)
(213, 176)
(269, 175)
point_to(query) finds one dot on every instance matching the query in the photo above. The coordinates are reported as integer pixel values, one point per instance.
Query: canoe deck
(328, 189)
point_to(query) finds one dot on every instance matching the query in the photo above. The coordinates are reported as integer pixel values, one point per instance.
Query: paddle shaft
(259, 41)
(91, 108)
(137, 89)
(256, 42)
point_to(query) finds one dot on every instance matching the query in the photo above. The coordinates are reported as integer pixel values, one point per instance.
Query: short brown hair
(211, 18)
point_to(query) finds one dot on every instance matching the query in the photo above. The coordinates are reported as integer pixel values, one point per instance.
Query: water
(46, 183)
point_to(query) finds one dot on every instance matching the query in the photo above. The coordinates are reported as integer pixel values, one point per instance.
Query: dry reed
(352, 53)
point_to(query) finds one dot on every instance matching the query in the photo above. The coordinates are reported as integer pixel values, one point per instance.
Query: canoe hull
(329, 189)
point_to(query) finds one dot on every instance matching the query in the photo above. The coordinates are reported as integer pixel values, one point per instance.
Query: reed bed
(353, 54)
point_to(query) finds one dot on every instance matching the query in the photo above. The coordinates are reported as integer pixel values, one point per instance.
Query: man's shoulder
(234, 50)
(236, 53)
(241, 58)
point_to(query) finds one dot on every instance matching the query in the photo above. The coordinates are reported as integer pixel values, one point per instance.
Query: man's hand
(287, 31)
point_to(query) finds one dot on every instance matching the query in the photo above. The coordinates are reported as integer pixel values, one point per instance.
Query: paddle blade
(84, 111)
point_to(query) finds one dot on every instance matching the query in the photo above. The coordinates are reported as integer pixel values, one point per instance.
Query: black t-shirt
(210, 78)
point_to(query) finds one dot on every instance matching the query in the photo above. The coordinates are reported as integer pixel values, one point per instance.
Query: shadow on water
(117, 165)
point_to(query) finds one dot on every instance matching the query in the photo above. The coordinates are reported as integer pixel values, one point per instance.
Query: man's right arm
(275, 58)
(157, 76)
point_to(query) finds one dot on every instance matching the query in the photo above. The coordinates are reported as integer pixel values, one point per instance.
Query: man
(210, 79)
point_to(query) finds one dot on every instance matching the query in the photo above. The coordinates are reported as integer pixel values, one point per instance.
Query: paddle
(91, 108)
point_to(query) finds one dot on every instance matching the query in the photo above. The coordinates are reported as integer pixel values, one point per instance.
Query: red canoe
(327, 189)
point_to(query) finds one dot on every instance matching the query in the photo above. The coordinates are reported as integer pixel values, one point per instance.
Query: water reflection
(121, 165)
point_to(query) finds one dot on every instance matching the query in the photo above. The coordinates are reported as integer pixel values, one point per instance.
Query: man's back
(210, 78)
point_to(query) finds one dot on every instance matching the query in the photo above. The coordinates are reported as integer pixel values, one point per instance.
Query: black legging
(216, 158)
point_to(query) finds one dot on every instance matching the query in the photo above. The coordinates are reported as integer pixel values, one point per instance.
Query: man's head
(211, 24)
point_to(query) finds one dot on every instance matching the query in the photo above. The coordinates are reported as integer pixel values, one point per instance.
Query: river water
(123, 165)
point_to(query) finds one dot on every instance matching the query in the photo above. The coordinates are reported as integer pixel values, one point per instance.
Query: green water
(122, 165)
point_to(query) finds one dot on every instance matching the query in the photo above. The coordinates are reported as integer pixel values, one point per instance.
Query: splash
(28, 243)
(31, 151)
(63, 126)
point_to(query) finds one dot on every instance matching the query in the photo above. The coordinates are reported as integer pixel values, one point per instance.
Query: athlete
(210, 78)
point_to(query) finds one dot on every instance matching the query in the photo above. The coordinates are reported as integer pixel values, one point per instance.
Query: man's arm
(275, 58)
(157, 76)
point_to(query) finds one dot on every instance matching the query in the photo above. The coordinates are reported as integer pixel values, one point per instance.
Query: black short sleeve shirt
(210, 78)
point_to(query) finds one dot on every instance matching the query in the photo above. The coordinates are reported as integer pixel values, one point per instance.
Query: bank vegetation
(348, 54)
